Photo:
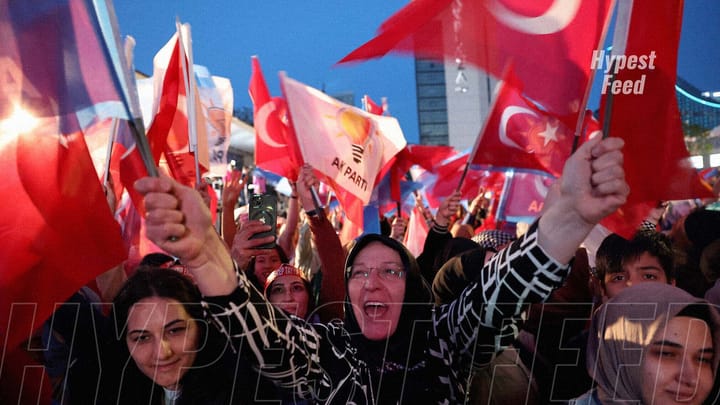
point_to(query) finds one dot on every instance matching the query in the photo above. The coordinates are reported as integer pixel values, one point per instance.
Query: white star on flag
(549, 134)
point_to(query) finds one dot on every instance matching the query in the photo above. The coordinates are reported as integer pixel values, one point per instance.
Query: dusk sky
(305, 39)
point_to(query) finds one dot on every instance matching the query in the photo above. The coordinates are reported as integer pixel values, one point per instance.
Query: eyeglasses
(388, 271)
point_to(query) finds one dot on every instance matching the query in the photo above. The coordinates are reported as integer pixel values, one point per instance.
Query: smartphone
(263, 207)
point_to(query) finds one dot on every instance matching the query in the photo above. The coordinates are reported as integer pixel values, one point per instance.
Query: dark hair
(453, 247)
(124, 382)
(710, 261)
(608, 257)
(655, 244)
(156, 259)
(250, 271)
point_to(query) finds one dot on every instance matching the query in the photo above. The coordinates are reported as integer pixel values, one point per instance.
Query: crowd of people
(479, 317)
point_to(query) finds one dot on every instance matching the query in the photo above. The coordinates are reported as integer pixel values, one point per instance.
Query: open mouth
(374, 309)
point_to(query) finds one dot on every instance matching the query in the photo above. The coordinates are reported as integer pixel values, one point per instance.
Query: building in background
(453, 101)
(700, 115)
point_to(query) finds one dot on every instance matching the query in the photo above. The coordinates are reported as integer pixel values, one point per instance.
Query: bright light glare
(20, 121)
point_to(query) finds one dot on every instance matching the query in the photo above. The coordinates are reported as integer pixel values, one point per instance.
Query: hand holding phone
(263, 208)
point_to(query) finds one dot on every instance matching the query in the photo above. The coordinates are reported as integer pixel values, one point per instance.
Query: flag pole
(111, 142)
(608, 104)
(124, 78)
(579, 125)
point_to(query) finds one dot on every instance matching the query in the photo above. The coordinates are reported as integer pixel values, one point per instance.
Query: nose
(163, 349)
(689, 372)
(373, 281)
(288, 296)
(633, 279)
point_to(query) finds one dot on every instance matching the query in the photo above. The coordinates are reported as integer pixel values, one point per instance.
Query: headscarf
(399, 359)
(622, 329)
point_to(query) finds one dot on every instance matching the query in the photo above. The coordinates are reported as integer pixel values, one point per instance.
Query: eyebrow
(169, 324)
(676, 345)
(388, 262)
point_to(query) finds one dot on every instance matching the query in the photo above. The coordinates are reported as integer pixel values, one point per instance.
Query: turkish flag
(518, 134)
(170, 133)
(57, 230)
(657, 164)
(275, 147)
(550, 42)
(426, 156)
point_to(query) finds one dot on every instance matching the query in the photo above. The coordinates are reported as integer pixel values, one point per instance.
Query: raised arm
(283, 349)
(330, 250)
(179, 222)
(592, 186)
(231, 193)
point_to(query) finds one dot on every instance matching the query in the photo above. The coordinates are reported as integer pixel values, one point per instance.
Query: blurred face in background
(290, 294)
(266, 264)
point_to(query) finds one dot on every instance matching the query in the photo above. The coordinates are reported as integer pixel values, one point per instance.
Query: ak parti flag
(276, 149)
(518, 134)
(657, 164)
(524, 197)
(349, 148)
(550, 43)
(57, 229)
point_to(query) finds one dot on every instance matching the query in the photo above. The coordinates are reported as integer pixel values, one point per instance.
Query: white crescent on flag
(558, 16)
(506, 115)
(261, 125)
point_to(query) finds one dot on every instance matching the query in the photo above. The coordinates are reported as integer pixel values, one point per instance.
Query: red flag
(127, 166)
(657, 164)
(524, 198)
(349, 149)
(275, 146)
(518, 134)
(550, 43)
(169, 133)
(417, 231)
(372, 107)
(426, 156)
(57, 230)
(443, 179)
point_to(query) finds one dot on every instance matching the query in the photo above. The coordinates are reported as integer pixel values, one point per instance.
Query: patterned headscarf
(493, 239)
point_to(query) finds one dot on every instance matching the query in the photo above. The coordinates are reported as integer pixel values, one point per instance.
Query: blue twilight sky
(306, 38)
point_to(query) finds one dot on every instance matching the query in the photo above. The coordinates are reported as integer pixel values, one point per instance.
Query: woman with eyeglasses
(395, 345)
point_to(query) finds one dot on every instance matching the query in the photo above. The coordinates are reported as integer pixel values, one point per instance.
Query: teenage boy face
(645, 269)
